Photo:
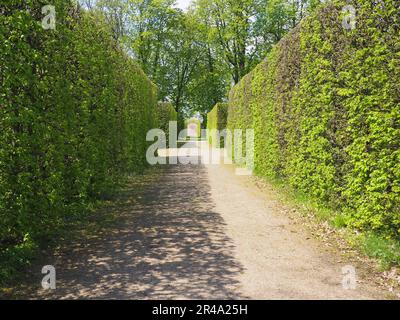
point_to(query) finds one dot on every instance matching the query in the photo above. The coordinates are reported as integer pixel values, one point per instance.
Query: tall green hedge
(165, 114)
(74, 113)
(216, 123)
(325, 107)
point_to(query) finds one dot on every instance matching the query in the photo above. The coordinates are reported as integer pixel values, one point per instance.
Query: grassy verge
(16, 263)
(385, 251)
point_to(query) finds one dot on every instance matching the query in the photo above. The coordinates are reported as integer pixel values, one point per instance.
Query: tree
(210, 83)
(193, 57)
(244, 31)
(173, 49)
(230, 28)
(115, 12)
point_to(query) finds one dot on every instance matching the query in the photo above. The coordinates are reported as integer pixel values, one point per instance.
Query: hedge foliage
(165, 114)
(325, 107)
(216, 123)
(74, 115)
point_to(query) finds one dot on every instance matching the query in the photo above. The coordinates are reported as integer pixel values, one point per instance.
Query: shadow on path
(170, 244)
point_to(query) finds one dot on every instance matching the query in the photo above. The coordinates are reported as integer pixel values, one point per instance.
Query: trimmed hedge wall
(217, 120)
(166, 113)
(74, 115)
(325, 107)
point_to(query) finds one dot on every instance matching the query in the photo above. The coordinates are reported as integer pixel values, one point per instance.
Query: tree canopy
(195, 56)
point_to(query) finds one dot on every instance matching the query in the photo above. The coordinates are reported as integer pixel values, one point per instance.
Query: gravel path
(201, 232)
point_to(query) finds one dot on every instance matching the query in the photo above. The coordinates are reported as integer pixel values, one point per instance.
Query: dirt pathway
(281, 260)
(201, 232)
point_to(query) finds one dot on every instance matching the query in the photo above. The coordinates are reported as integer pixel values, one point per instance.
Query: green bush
(74, 113)
(166, 113)
(325, 107)
(216, 123)
(240, 113)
